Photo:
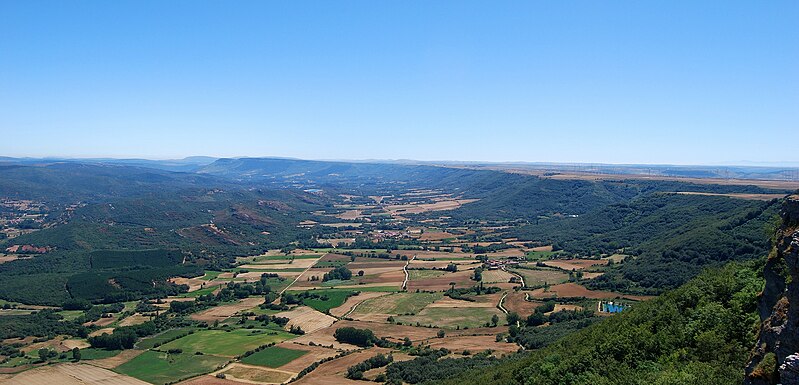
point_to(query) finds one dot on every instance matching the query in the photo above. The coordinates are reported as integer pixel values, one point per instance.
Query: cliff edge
(775, 357)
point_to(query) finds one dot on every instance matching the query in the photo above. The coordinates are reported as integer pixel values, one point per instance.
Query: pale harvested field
(71, 344)
(315, 353)
(325, 338)
(255, 374)
(337, 241)
(135, 319)
(342, 224)
(449, 204)
(421, 254)
(119, 359)
(8, 258)
(441, 264)
(436, 236)
(71, 374)
(300, 263)
(474, 344)
(307, 318)
(353, 301)
(332, 372)
(193, 283)
(496, 276)
(350, 215)
(590, 275)
(370, 263)
(448, 302)
(225, 311)
(574, 264)
(542, 248)
(101, 331)
(211, 380)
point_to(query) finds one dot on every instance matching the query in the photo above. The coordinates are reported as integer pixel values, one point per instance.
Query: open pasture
(462, 279)
(310, 355)
(451, 317)
(160, 368)
(226, 343)
(378, 309)
(273, 356)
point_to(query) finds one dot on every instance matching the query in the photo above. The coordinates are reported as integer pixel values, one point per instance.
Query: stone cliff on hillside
(775, 357)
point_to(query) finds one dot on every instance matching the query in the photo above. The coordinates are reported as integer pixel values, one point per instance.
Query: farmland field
(273, 357)
(226, 343)
(160, 368)
(399, 303)
(465, 317)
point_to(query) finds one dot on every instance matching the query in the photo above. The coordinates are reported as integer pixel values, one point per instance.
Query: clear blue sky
(685, 82)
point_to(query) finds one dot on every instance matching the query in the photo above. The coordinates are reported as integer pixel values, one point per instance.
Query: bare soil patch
(515, 302)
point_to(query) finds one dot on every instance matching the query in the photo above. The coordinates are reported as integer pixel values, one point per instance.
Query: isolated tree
(75, 354)
(441, 334)
(494, 320)
(360, 273)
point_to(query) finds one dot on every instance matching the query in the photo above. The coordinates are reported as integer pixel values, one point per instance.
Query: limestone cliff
(775, 358)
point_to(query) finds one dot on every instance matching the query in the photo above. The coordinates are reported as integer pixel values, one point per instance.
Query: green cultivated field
(225, 343)
(150, 342)
(336, 297)
(161, 368)
(273, 357)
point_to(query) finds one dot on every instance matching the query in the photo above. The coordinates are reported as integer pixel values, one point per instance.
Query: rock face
(775, 357)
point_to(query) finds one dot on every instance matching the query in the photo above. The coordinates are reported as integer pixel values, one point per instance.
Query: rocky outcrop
(775, 357)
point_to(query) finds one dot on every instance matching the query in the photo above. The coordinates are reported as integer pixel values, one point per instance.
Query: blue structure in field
(610, 307)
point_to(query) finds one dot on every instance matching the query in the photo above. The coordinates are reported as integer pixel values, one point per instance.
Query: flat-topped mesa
(774, 357)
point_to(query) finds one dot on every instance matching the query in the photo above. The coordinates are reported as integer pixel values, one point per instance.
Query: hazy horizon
(618, 83)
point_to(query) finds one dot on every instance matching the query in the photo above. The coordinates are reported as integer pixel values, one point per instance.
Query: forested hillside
(669, 237)
(700, 333)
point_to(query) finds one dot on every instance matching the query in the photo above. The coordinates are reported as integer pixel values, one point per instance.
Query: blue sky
(681, 82)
